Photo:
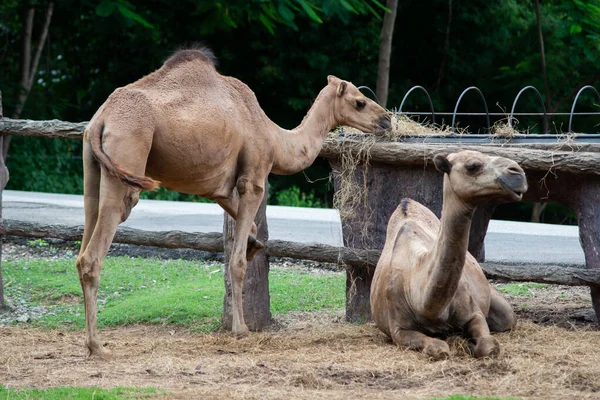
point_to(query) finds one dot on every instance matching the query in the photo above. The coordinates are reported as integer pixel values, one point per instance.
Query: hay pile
(314, 356)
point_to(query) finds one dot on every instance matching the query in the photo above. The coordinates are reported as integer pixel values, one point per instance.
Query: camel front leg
(251, 197)
(435, 348)
(485, 345)
(231, 206)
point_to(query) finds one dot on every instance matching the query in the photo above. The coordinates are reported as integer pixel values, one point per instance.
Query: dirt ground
(554, 353)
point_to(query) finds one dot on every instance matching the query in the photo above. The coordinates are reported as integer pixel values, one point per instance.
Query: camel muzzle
(514, 184)
(383, 124)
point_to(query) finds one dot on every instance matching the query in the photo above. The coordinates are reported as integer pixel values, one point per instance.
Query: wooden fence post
(3, 180)
(257, 304)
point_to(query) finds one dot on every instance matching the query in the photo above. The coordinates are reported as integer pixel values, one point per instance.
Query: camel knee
(131, 199)
(245, 186)
(89, 270)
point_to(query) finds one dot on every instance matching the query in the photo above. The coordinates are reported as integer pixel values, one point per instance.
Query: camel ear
(342, 88)
(331, 78)
(442, 164)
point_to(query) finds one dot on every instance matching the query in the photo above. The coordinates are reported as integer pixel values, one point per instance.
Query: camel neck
(449, 253)
(296, 149)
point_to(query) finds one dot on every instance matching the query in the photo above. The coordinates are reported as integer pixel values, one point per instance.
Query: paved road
(508, 242)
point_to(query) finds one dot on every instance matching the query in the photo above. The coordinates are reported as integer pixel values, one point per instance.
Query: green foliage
(151, 291)
(164, 194)
(284, 50)
(75, 393)
(520, 289)
(44, 165)
(232, 14)
(37, 243)
(294, 198)
(109, 7)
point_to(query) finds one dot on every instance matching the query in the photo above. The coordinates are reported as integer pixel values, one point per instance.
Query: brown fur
(197, 132)
(426, 283)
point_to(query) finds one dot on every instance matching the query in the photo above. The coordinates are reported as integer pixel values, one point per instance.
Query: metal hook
(575, 102)
(428, 98)
(512, 110)
(487, 113)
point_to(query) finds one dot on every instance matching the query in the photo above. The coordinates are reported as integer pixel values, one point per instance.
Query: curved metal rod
(370, 90)
(575, 102)
(428, 98)
(487, 113)
(512, 110)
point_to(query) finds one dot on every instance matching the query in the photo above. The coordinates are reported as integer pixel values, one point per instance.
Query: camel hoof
(437, 350)
(254, 246)
(486, 346)
(240, 332)
(99, 353)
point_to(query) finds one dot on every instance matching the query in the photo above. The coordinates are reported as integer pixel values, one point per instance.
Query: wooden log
(3, 178)
(418, 154)
(323, 253)
(49, 129)
(257, 300)
(213, 242)
(542, 274)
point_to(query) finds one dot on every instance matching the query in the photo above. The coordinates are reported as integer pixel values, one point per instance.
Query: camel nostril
(384, 122)
(515, 170)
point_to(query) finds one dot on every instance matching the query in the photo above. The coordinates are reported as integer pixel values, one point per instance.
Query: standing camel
(426, 283)
(193, 130)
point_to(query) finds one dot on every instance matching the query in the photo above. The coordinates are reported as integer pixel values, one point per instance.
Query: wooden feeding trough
(560, 168)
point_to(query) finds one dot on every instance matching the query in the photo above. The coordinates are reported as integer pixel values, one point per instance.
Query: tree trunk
(446, 46)
(385, 52)
(543, 60)
(537, 210)
(28, 67)
(3, 180)
(257, 305)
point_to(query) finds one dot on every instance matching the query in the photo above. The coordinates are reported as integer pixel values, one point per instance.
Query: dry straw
(351, 197)
(313, 356)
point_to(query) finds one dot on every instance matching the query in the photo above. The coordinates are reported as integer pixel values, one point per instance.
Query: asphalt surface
(506, 242)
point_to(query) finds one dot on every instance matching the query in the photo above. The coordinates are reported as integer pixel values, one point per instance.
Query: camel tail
(94, 132)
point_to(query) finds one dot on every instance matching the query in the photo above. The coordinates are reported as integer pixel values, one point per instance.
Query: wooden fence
(558, 158)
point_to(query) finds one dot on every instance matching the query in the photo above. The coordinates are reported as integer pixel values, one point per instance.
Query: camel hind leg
(112, 210)
(91, 194)
(501, 317)
(108, 202)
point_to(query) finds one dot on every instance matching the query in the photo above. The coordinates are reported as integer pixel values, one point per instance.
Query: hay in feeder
(351, 197)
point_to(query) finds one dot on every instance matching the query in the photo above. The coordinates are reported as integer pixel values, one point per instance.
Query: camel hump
(199, 53)
(409, 209)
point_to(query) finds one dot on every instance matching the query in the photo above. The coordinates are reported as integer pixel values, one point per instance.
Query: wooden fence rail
(213, 242)
(559, 157)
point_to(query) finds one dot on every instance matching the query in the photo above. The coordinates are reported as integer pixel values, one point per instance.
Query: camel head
(352, 108)
(477, 178)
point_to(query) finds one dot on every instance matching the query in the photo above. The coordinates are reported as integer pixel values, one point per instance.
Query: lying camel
(199, 132)
(426, 283)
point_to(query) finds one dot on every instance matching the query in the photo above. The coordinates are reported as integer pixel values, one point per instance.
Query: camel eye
(472, 168)
(360, 104)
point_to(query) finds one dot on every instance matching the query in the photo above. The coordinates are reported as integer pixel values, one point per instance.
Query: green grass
(154, 291)
(73, 393)
(520, 289)
(461, 397)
